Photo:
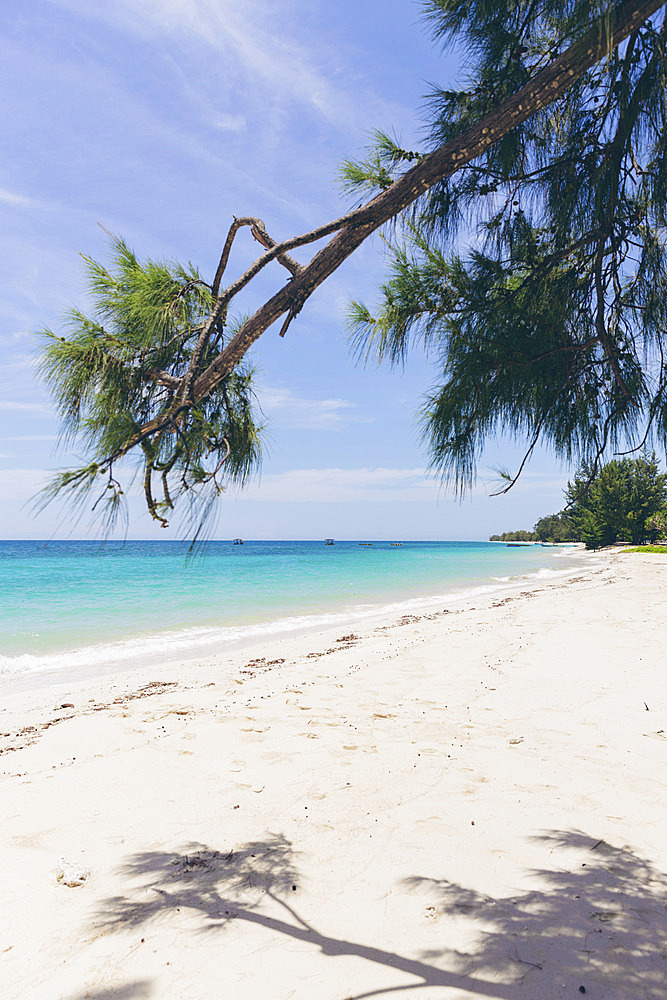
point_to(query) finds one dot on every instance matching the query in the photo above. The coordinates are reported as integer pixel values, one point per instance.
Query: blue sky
(158, 120)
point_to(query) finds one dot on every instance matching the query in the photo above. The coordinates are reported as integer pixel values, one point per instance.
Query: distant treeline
(514, 536)
(624, 501)
(553, 528)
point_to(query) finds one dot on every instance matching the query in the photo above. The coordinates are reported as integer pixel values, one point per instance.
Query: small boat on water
(366, 545)
(396, 544)
(329, 541)
(238, 541)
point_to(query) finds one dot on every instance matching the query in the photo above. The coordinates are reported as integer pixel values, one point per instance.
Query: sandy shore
(468, 803)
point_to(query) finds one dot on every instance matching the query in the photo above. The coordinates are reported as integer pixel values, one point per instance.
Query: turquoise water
(69, 603)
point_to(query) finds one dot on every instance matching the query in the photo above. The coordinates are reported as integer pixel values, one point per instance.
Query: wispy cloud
(17, 200)
(226, 122)
(13, 406)
(370, 485)
(32, 437)
(333, 485)
(261, 41)
(290, 410)
(20, 485)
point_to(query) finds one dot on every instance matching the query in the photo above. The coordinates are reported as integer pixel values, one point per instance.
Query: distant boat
(329, 541)
(366, 545)
(397, 543)
(238, 541)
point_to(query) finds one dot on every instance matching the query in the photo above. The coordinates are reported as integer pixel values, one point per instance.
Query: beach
(467, 801)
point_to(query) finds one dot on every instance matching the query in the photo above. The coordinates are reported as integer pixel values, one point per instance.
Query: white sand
(469, 804)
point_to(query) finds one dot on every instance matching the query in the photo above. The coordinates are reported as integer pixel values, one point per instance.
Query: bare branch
(164, 378)
(259, 232)
(529, 452)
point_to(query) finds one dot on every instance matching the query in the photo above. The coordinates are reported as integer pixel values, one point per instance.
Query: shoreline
(147, 650)
(466, 802)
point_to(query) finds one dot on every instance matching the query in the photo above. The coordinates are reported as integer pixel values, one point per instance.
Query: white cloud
(228, 123)
(12, 406)
(290, 410)
(25, 362)
(15, 199)
(374, 485)
(258, 40)
(333, 485)
(32, 437)
(20, 485)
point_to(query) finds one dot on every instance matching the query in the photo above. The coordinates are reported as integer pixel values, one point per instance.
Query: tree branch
(600, 326)
(258, 230)
(352, 229)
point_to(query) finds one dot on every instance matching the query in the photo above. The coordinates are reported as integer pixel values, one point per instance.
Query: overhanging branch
(352, 229)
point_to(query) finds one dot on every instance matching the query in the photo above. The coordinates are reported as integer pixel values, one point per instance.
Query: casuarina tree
(552, 324)
(549, 163)
(617, 504)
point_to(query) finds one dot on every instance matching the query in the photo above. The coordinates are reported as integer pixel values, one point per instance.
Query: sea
(89, 608)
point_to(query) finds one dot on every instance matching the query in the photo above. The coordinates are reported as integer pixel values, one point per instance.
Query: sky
(159, 120)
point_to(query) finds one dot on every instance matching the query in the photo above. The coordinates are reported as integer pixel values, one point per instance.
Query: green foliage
(514, 536)
(658, 549)
(128, 364)
(375, 172)
(552, 325)
(656, 525)
(622, 502)
(617, 503)
(553, 528)
(556, 528)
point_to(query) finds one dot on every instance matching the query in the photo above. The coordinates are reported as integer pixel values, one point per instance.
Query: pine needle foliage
(131, 361)
(535, 276)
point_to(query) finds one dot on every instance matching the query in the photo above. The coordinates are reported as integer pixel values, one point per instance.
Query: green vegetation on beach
(625, 501)
(661, 549)
(514, 536)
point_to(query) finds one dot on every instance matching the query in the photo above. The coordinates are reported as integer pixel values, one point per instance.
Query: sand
(466, 803)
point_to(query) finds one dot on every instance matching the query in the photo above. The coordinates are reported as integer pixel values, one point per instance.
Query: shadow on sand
(597, 921)
(140, 990)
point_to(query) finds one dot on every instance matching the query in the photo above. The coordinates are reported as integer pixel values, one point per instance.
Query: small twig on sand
(515, 958)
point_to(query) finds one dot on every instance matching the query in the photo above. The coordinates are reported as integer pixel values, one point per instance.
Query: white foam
(191, 642)
(146, 647)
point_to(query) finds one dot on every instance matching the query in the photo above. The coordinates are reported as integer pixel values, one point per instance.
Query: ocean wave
(185, 644)
(146, 647)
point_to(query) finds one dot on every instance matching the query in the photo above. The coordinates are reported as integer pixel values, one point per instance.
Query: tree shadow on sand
(599, 923)
(140, 990)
